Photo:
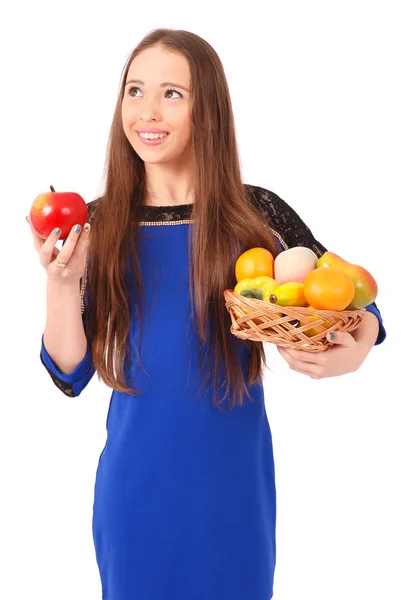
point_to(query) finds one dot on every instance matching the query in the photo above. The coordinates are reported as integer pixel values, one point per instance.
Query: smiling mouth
(152, 133)
(152, 139)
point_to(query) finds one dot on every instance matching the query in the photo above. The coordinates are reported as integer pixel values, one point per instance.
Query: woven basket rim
(261, 321)
(269, 305)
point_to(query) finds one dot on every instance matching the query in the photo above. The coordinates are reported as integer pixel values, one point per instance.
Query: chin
(152, 157)
(153, 161)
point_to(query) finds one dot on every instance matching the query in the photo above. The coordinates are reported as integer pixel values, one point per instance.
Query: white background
(315, 90)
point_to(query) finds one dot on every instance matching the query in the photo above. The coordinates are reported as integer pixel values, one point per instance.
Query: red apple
(57, 209)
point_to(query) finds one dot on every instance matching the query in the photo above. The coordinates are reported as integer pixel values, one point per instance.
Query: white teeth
(152, 136)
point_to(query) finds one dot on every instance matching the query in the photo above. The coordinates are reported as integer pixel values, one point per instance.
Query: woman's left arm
(368, 331)
(294, 232)
(348, 352)
(381, 334)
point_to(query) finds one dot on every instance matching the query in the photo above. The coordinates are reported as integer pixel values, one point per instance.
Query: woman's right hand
(65, 265)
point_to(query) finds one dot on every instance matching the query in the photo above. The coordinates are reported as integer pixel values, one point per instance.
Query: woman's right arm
(64, 350)
(64, 335)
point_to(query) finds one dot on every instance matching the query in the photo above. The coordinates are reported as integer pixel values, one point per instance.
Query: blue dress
(185, 499)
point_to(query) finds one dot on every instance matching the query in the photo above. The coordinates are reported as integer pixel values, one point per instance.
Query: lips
(153, 142)
(151, 131)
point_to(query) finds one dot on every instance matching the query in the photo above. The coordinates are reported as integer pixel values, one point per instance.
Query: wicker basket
(261, 321)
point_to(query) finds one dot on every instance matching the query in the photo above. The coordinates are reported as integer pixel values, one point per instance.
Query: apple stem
(52, 188)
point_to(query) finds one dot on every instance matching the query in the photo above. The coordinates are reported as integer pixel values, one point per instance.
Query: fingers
(47, 249)
(83, 240)
(301, 356)
(75, 245)
(308, 363)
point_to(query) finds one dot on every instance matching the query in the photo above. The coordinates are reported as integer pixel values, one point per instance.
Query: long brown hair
(225, 225)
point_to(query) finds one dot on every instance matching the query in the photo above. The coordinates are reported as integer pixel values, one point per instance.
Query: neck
(168, 185)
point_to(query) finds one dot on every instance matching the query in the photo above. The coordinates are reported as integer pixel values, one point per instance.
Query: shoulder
(278, 213)
(284, 221)
(267, 201)
(258, 195)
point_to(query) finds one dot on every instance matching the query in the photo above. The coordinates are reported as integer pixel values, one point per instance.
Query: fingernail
(332, 335)
(27, 220)
(77, 228)
(57, 231)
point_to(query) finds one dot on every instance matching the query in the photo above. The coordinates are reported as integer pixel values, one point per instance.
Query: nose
(150, 110)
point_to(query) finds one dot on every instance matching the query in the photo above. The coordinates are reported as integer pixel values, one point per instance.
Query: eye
(132, 88)
(174, 92)
(167, 92)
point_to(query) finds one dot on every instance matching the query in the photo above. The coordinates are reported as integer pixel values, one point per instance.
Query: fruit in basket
(314, 330)
(290, 293)
(365, 286)
(259, 287)
(328, 288)
(254, 262)
(57, 209)
(294, 264)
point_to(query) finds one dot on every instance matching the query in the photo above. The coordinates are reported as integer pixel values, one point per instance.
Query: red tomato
(57, 209)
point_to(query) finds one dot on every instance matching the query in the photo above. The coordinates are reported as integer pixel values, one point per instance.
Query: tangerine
(328, 288)
(254, 262)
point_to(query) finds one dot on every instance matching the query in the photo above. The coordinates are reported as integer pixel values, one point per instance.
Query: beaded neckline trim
(183, 222)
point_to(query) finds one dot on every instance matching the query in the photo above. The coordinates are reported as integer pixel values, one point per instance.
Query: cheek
(128, 116)
(124, 120)
(186, 129)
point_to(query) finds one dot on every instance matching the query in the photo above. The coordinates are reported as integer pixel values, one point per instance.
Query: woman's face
(157, 96)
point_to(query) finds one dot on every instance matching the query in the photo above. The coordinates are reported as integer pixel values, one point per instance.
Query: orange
(328, 288)
(254, 263)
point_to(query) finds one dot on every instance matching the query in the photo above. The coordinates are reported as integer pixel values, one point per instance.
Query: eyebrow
(165, 84)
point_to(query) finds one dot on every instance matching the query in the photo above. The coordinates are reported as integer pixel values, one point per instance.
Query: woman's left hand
(345, 356)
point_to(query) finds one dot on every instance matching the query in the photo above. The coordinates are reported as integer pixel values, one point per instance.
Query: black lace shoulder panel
(283, 219)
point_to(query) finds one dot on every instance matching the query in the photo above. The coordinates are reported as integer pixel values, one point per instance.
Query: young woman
(184, 502)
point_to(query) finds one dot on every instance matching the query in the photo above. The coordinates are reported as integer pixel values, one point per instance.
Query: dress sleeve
(72, 384)
(291, 231)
